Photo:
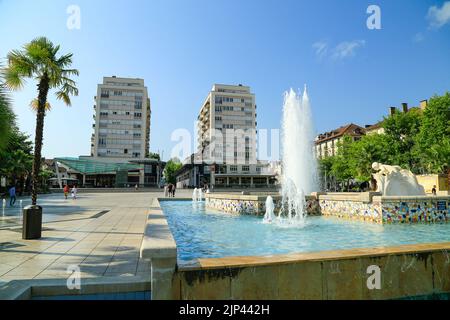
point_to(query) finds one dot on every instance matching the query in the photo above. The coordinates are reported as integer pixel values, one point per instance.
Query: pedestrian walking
(170, 190)
(12, 196)
(66, 191)
(174, 188)
(74, 192)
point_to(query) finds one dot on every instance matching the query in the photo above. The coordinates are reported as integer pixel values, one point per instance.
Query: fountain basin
(368, 206)
(254, 204)
(414, 266)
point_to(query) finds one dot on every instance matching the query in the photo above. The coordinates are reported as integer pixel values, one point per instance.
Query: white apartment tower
(122, 120)
(227, 126)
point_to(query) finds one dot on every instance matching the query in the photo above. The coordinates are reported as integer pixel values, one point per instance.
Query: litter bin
(32, 222)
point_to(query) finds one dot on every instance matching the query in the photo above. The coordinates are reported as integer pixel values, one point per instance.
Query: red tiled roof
(349, 129)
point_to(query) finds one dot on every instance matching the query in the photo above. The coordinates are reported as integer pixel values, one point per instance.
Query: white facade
(227, 126)
(122, 120)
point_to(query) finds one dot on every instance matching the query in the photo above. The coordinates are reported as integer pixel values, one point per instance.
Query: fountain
(3, 207)
(20, 213)
(299, 176)
(194, 195)
(197, 195)
(269, 217)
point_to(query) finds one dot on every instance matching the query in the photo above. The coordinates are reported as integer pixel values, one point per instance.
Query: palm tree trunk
(43, 88)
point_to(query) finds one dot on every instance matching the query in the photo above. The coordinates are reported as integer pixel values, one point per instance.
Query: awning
(85, 166)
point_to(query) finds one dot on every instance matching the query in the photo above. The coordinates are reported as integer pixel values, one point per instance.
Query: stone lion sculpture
(395, 181)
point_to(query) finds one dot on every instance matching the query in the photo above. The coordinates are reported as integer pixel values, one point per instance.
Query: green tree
(341, 168)
(154, 155)
(325, 165)
(432, 142)
(401, 130)
(172, 166)
(371, 148)
(39, 60)
(44, 176)
(7, 118)
(16, 159)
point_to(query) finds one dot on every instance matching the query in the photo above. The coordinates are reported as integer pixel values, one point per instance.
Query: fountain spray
(299, 164)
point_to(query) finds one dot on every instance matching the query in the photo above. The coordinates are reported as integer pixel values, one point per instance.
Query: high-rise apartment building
(226, 137)
(122, 120)
(227, 126)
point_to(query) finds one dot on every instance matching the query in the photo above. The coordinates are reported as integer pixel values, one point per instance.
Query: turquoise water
(204, 233)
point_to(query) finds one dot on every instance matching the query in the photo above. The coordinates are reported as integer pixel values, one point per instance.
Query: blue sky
(181, 48)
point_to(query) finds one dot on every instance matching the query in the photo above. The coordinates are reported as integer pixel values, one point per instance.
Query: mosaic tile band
(375, 209)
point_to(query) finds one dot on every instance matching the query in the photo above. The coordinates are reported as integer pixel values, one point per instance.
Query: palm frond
(69, 89)
(65, 60)
(13, 79)
(64, 96)
(7, 119)
(21, 62)
(34, 104)
(39, 60)
(70, 72)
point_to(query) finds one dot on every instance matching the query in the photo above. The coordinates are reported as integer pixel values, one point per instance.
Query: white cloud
(418, 37)
(438, 17)
(321, 48)
(347, 49)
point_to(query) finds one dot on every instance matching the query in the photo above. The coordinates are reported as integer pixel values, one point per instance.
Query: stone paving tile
(106, 246)
(4, 268)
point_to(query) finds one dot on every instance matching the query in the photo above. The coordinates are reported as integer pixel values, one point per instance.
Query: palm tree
(38, 60)
(6, 119)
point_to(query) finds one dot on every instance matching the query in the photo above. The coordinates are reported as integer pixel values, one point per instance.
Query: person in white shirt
(74, 192)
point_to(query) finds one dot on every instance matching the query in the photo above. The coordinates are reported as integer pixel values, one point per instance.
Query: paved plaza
(101, 233)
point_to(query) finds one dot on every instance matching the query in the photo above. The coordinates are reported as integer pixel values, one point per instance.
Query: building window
(125, 151)
(148, 168)
(233, 168)
(245, 168)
